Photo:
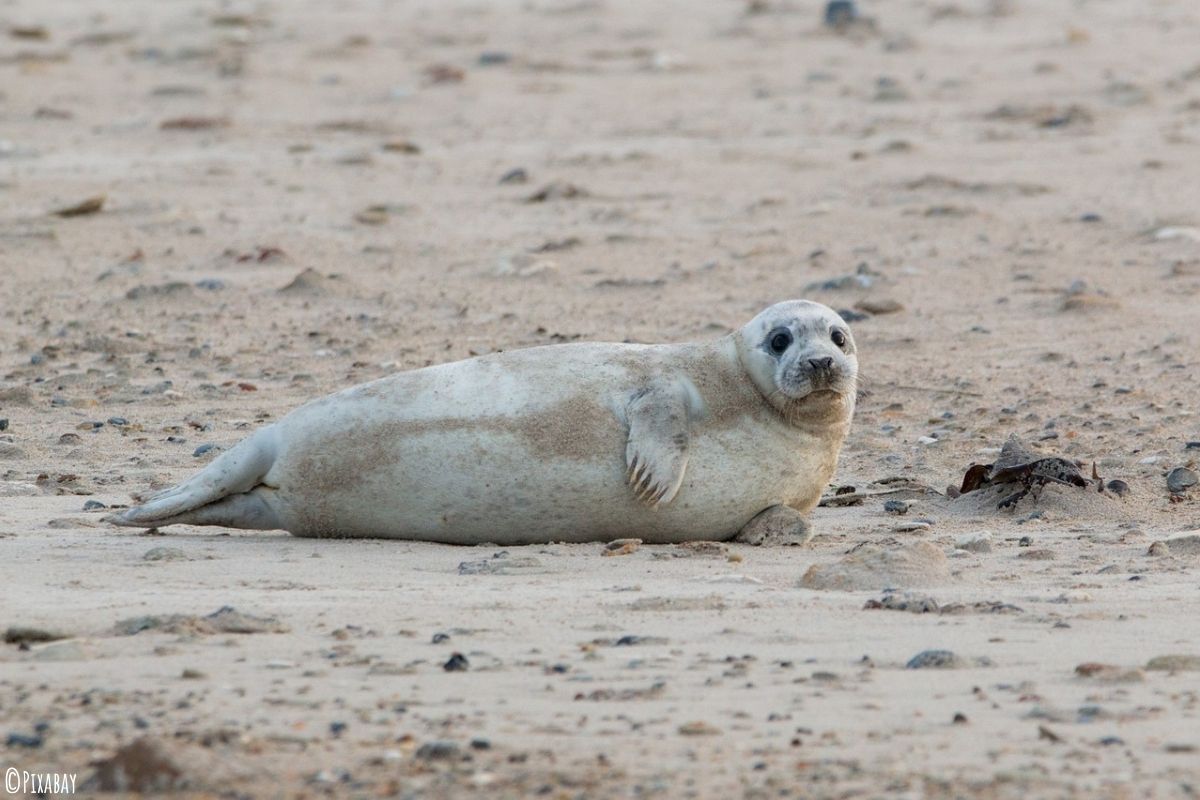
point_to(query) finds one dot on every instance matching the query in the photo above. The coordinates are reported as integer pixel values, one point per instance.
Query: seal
(733, 437)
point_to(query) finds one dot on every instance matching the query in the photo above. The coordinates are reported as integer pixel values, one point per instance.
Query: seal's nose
(820, 363)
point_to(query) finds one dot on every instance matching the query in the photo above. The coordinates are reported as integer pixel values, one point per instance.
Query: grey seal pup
(733, 437)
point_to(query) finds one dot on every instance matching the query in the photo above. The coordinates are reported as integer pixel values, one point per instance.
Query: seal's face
(801, 355)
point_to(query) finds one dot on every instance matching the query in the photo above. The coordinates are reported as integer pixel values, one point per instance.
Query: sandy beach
(212, 212)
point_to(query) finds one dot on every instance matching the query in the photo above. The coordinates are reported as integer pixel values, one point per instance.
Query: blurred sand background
(267, 202)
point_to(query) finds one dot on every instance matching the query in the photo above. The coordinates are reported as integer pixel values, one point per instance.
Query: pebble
(1118, 487)
(698, 729)
(3, 424)
(119, 422)
(1174, 663)
(517, 175)
(19, 634)
(840, 13)
(204, 448)
(936, 659)
(1180, 479)
(438, 751)
(490, 58)
(93, 505)
(912, 527)
(1159, 549)
(164, 554)
(1188, 446)
(976, 542)
(438, 638)
(621, 547)
(457, 663)
(897, 506)
(24, 740)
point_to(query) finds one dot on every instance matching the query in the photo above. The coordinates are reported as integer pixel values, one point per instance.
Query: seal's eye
(839, 338)
(780, 341)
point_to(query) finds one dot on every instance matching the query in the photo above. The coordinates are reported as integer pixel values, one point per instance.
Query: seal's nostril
(820, 363)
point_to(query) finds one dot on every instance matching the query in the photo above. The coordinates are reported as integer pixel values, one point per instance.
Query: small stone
(204, 449)
(119, 422)
(438, 751)
(1174, 663)
(936, 659)
(517, 175)
(959, 719)
(1159, 550)
(1118, 487)
(481, 744)
(1038, 554)
(976, 542)
(840, 13)
(698, 728)
(490, 58)
(457, 663)
(1188, 446)
(897, 506)
(190, 674)
(621, 547)
(93, 505)
(3, 424)
(336, 729)
(913, 526)
(438, 638)
(879, 306)
(1025, 541)
(19, 634)
(24, 740)
(164, 554)
(1180, 479)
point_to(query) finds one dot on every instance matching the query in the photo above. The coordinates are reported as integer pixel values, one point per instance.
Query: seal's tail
(229, 491)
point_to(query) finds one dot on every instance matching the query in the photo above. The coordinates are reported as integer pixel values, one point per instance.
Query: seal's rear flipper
(233, 473)
(249, 511)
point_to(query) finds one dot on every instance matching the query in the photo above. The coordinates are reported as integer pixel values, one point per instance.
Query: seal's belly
(512, 480)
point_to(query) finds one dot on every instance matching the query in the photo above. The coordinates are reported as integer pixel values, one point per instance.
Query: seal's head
(802, 357)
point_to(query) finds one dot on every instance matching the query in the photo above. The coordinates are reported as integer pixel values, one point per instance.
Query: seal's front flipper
(656, 453)
(775, 526)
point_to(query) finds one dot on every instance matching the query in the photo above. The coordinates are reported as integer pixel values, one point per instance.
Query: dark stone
(439, 637)
(24, 740)
(516, 175)
(935, 659)
(93, 505)
(840, 13)
(457, 663)
(204, 448)
(3, 424)
(438, 751)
